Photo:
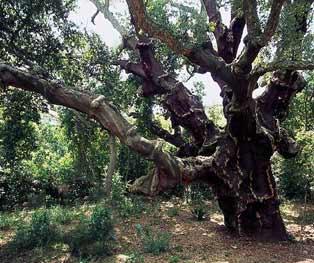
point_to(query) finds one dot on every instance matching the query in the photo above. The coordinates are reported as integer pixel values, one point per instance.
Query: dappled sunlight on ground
(191, 240)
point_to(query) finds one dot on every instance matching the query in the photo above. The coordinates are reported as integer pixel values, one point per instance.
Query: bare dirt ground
(191, 240)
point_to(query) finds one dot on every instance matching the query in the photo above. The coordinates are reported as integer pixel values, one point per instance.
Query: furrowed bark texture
(240, 172)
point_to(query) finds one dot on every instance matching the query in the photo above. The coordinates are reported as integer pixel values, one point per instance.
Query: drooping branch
(128, 41)
(112, 164)
(170, 170)
(94, 16)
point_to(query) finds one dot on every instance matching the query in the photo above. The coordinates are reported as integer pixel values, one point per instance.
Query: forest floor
(190, 240)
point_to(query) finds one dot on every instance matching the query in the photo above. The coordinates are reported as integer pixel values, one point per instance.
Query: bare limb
(184, 107)
(94, 16)
(272, 21)
(214, 17)
(141, 21)
(251, 17)
(103, 7)
(255, 40)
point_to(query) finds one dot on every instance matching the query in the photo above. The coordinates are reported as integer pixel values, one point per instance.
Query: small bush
(173, 211)
(174, 259)
(8, 221)
(39, 233)
(94, 235)
(199, 213)
(101, 224)
(126, 206)
(118, 190)
(153, 242)
(135, 258)
(199, 208)
(130, 207)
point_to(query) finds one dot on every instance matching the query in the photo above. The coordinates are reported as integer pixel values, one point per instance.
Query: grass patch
(153, 242)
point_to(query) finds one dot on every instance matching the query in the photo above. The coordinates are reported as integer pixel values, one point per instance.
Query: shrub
(125, 205)
(174, 259)
(295, 176)
(173, 211)
(61, 215)
(135, 258)
(153, 242)
(199, 208)
(8, 220)
(94, 235)
(101, 224)
(38, 233)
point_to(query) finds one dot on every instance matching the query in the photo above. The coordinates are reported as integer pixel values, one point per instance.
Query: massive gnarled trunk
(234, 161)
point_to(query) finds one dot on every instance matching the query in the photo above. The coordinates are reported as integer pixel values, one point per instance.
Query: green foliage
(215, 113)
(125, 205)
(296, 176)
(62, 215)
(152, 241)
(173, 211)
(174, 259)
(94, 235)
(135, 258)
(196, 197)
(8, 221)
(39, 232)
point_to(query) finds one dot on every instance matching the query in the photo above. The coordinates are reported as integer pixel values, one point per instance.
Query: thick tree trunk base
(260, 220)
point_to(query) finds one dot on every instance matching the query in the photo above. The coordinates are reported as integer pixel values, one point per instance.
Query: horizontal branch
(282, 65)
(96, 107)
(174, 169)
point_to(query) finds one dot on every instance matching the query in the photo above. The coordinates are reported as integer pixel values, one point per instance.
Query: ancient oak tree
(235, 161)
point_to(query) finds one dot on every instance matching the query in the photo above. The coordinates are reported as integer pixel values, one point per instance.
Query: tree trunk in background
(112, 164)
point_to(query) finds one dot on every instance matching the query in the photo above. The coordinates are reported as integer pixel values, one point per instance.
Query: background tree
(161, 38)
